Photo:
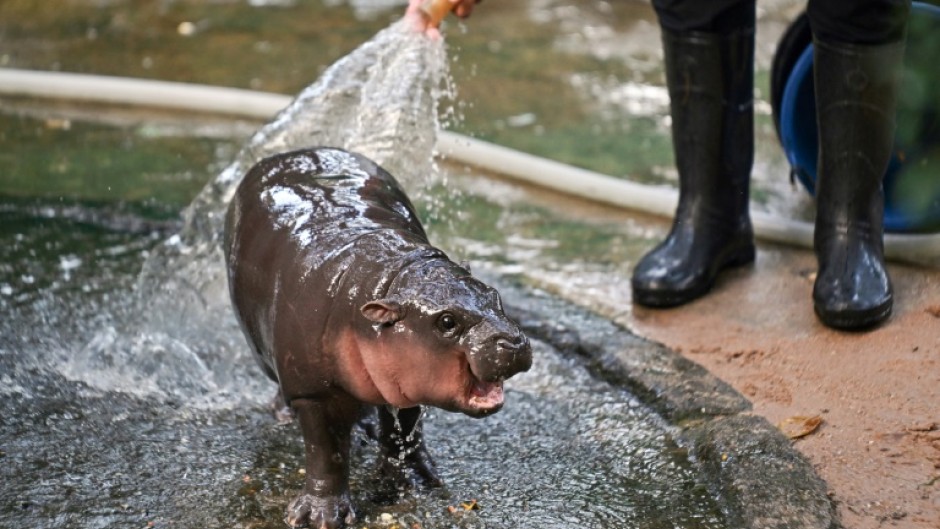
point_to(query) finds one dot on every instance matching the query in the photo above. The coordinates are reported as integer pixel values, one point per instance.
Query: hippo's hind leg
(405, 458)
(326, 426)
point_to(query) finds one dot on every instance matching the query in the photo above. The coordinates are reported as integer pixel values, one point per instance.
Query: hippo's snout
(510, 355)
(515, 353)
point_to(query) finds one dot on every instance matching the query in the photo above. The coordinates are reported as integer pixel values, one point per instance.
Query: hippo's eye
(447, 323)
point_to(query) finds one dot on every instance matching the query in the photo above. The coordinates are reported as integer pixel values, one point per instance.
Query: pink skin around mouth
(484, 395)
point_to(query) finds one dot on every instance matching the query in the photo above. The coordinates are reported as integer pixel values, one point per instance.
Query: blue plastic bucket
(912, 180)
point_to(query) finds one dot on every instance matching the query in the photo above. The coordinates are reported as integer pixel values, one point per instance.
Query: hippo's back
(324, 194)
(298, 223)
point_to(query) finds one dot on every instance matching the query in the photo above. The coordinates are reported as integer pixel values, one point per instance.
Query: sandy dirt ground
(877, 393)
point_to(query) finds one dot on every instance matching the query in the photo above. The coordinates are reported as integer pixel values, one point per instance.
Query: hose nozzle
(436, 10)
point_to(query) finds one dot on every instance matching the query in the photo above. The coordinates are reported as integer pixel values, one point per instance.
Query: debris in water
(186, 29)
(464, 506)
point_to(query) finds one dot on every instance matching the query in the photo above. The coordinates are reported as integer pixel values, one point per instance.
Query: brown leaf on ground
(799, 426)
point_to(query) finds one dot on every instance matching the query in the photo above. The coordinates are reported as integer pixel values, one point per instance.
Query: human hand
(426, 15)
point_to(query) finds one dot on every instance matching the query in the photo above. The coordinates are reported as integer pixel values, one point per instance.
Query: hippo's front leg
(405, 458)
(326, 427)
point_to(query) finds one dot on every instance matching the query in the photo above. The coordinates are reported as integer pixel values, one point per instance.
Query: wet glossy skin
(345, 304)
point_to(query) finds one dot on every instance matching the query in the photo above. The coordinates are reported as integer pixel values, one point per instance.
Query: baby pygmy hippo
(346, 305)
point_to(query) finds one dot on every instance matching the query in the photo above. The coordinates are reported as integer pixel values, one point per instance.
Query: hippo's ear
(466, 266)
(382, 311)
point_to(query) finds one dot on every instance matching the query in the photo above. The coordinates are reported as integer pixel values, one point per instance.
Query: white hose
(144, 92)
(661, 201)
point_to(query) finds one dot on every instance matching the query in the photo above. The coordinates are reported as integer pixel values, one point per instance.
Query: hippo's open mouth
(484, 396)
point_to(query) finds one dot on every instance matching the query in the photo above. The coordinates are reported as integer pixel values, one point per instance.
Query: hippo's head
(443, 339)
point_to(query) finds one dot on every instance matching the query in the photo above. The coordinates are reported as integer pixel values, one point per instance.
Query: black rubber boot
(710, 80)
(856, 93)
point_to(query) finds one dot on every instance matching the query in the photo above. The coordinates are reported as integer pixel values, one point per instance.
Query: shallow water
(567, 451)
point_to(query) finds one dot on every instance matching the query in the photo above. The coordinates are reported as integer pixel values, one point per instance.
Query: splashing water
(178, 336)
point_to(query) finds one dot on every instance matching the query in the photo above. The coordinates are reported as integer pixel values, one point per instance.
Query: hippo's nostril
(511, 344)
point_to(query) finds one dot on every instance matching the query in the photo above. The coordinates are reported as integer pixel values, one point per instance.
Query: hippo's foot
(416, 470)
(320, 512)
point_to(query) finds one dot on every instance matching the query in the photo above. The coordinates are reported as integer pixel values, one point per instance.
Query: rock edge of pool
(758, 477)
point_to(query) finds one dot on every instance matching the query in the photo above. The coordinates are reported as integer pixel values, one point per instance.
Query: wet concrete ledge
(760, 480)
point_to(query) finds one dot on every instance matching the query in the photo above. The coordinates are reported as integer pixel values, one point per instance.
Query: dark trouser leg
(710, 79)
(859, 21)
(856, 93)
